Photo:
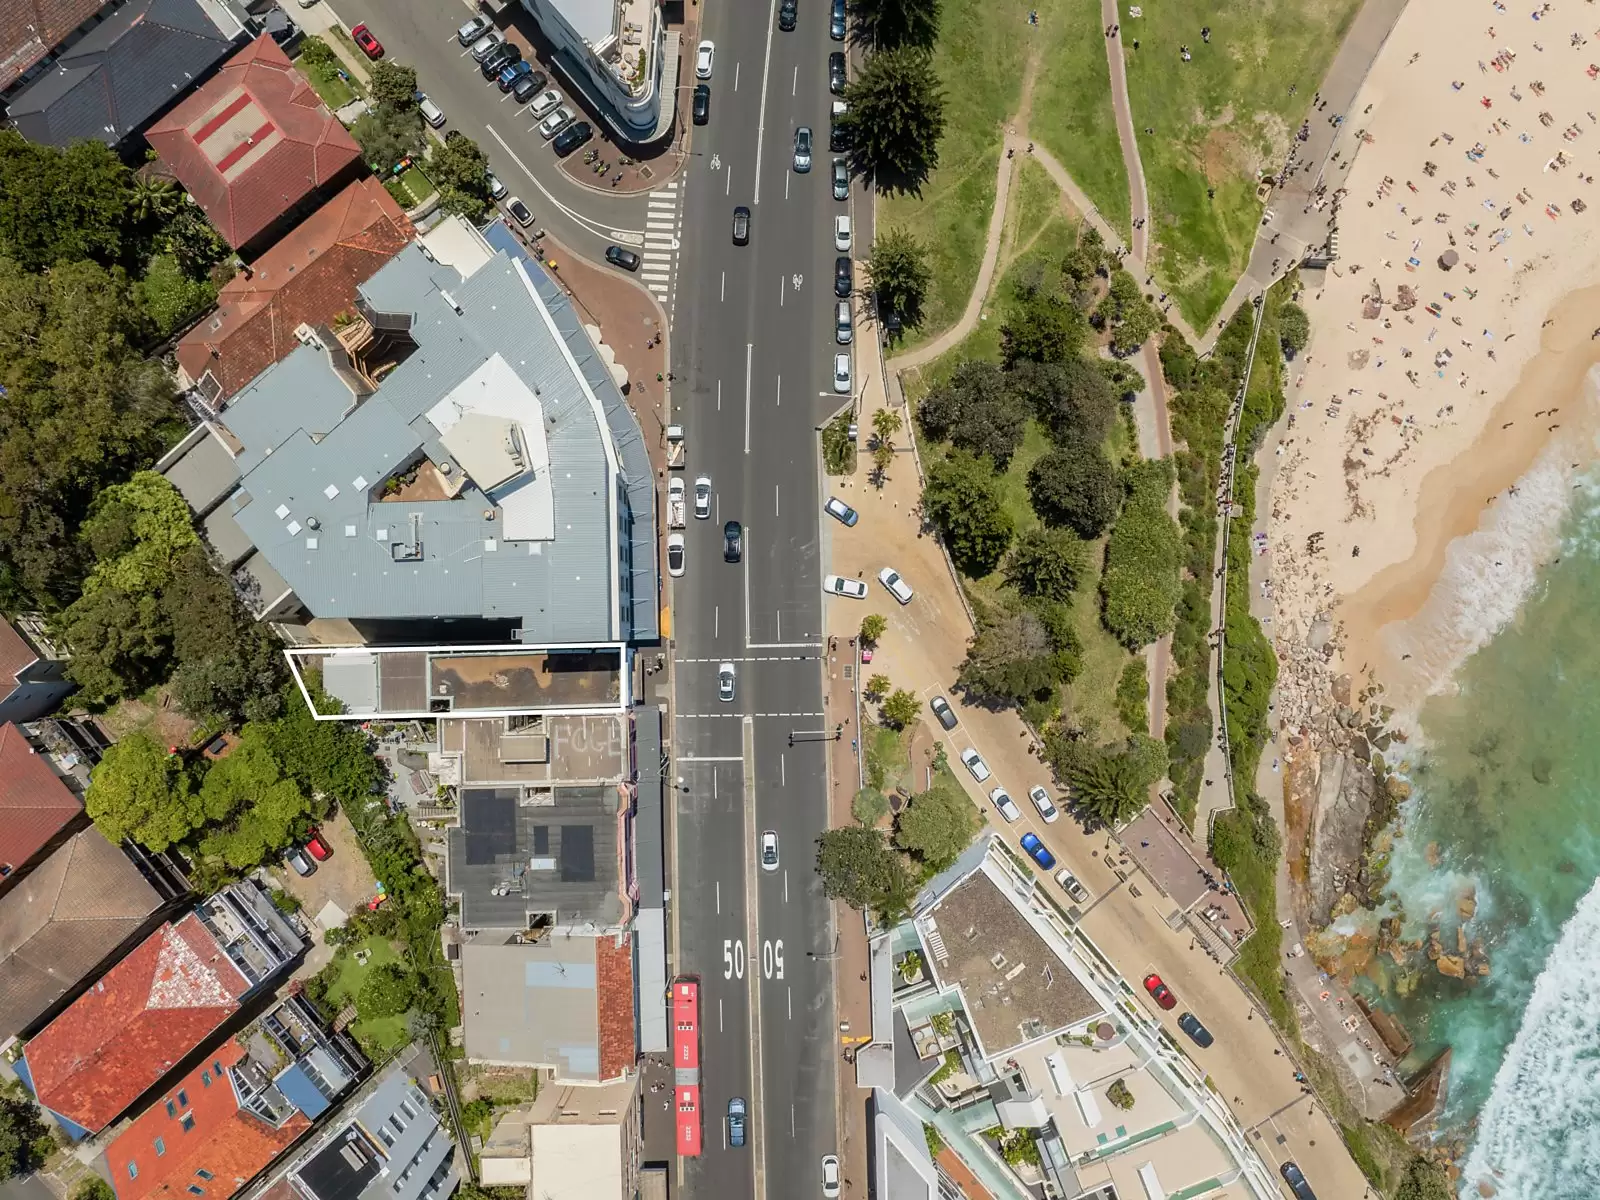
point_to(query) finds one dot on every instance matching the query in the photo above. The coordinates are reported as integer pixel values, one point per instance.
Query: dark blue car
(1038, 851)
(509, 75)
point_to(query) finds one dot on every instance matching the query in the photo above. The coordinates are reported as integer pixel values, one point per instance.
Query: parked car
(841, 585)
(736, 1115)
(841, 374)
(788, 15)
(942, 711)
(830, 1176)
(769, 850)
(512, 72)
(619, 256)
(843, 276)
(1295, 1178)
(300, 862)
(519, 212)
(556, 122)
(836, 21)
(841, 234)
(741, 226)
(704, 56)
(370, 46)
(898, 588)
(1037, 850)
(317, 848)
(472, 30)
(702, 103)
(1008, 807)
(840, 511)
(732, 542)
(702, 497)
(501, 57)
(675, 555)
(570, 138)
(496, 188)
(1069, 884)
(844, 331)
(838, 132)
(487, 45)
(529, 86)
(841, 180)
(838, 74)
(431, 112)
(1159, 991)
(1190, 1024)
(1041, 801)
(725, 677)
(973, 761)
(802, 149)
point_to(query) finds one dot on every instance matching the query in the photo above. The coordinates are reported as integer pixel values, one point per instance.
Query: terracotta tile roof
(231, 1144)
(130, 1028)
(34, 804)
(306, 278)
(613, 968)
(30, 29)
(253, 142)
(16, 656)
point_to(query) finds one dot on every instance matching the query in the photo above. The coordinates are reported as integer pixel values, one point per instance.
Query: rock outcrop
(1345, 792)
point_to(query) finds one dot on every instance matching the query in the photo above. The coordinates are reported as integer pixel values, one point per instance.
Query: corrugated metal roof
(205, 473)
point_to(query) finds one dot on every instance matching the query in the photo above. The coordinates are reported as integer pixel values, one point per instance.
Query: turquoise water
(1506, 805)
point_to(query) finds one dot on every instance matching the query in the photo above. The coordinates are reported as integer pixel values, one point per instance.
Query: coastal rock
(1461, 939)
(1435, 947)
(1467, 906)
(1452, 965)
(1341, 689)
(1482, 969)
(1399, 790)
(1432, 854)
(1344, 800)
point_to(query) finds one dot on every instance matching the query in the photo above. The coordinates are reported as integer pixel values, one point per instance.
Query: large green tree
(1048, 563)
(1075, 486)
(25, 1140)
(386, 136)
(1109, 787)
(460, 169)
(899, 708)
(388, 990)
(253, 808)
(895, 118)
(858, 866)
(888, 23)
(962, 499)
(1072, 399)
(936, 826)
(140, 791)
(61, 205)
(1141, 583)
(976, 411)
(1040, 326)
(1020, 653)
(900, 275)
(394, 85)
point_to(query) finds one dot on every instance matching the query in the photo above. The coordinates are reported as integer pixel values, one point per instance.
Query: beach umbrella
(1448, 259)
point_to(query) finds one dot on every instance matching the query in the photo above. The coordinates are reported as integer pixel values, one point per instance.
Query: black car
(837, 77)
(838, 136)
(529, 86)
(1295, 1178)
(741, 226)
(842, 275)
(570, 138)
(836, 21)
(943, 711)
(702, 103)
(732, 542)
(503, 57)
(1190, 1024)
(788, 14)
(619, 257)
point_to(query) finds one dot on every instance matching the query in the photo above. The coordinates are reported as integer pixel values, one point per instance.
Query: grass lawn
(410, 188)
(1219, 121)
(889, 759)
(1072, 115)
(324, 78)
(385, 1032)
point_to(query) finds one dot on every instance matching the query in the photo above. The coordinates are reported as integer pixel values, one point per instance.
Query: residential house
(256, 147)
(571, 1143)
(32, 679)
(31, 29)
(38, 812)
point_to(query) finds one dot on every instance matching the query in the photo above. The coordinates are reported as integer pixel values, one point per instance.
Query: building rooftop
(552, 857)
(35, 805)
(306, 278)
(63, 920)
(559, 748)
(16, 656)
(593, 20)
(564, 1002)
(356, 484)
(30, 29)
(1015, 986)
(253, 142)
(391, 1147)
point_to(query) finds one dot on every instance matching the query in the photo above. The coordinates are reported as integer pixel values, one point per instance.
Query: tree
(962, 499)
(153, 198)
(936, 826)
(25, 1140)
(394, 85)
(1040, 327)
(872, 627)
(1048, 563)
(1133, 692)
(1074, 486)
(877, 686)
(1130, 316)
(886, 423)
(1140, 586)
(1123, 379)
(976, 411)
(869, 806)
(386, 136)
(228, 665)
(256, 808)
(1072, 399)
(889, 23)
(195, 244)
(388, 990)
(895, 118)
(330, 759)
(900, 274)
(168, 297)
(460, 169)
(140, 791)
(858, 867)
(1107, 788)
(61, 205)
(1424, 1180)
(1020, 653)
(92, 1187)
(1294, 329)
(900, 708)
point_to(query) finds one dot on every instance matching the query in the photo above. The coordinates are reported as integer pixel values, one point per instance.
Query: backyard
(409, 188)
(326, 74)
(348, 972)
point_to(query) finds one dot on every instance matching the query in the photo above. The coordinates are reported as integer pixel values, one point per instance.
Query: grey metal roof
(124, 71)
(536, 1005)
(307, 454)
(204, 473)
(421, 1139)
(228, 542)
(262, 585)
(648, 816)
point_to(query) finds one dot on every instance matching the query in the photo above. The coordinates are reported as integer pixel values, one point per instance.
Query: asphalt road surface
(753, 359)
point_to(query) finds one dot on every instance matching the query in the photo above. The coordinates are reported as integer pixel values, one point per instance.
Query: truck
(676, 447)
(676, 503)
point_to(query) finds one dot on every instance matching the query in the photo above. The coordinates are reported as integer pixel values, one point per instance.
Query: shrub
(1119, 1095)
(962, 499)
(869, 807)
(1140, 585)
(1133, 690)
(1074, 486)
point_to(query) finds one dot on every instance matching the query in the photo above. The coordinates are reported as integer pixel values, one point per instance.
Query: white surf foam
(1539, 1133)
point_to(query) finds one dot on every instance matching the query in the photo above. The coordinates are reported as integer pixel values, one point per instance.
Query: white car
(830, 1176)
(898, 588)
(496, 188)
(974, 763)
(703, 56)
(725, 682)
(1005, 804)
(841, 374)
(841, 234)
(675, 555)
(1041, 801)
(544, 104)
(769, 850)
(1069, 884)
(702, 498)
(838, 585)
(555, 122)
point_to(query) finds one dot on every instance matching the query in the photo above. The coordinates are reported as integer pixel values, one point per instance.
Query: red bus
(686, 1063)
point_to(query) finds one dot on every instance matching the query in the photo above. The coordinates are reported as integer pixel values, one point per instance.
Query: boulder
(1467, 906)
(1452, 965)
(1399, 790)
(1483, 969)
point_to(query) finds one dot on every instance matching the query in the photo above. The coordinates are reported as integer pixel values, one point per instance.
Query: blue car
(1037, 851)
(509, 75)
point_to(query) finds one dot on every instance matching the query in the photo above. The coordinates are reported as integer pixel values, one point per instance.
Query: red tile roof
(231, 1144)
(30, 29)
(253, 142)
(34, 804)
(613, 963)
(308, 277)
(128, 1030)
(16, 656)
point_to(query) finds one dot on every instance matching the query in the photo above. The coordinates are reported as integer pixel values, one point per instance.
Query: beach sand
(1416, 415)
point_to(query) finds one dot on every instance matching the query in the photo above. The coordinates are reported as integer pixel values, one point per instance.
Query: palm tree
(1106, 788)
(886, 423)
(153, 198)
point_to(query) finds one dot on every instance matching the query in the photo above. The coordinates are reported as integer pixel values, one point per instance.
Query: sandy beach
(1441, 409)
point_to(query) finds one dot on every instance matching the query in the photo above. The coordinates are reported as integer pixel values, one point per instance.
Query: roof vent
(445, 468)
(313, 523)
(451, 301)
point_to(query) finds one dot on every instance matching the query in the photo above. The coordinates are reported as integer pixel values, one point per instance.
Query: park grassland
(1219, 122)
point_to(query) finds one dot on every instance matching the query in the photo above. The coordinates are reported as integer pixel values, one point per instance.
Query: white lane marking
(761, 117)
(719, 886)
(787, 176)
(736, 77)
(631, 236)
(749, 359)
(783, 781)
(780, 391)
(762, 658)
(784, 646)
(722, 292)
(775, 503)
(760, 716)
(708, 758)
(719, 395)
(794, 88)
(786, 885)
(654, 224)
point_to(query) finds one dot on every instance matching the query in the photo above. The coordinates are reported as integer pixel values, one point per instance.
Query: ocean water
(1505, 810)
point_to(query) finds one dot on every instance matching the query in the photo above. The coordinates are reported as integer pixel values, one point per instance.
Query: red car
(317, 848)
(370, 46)
(1159, 991)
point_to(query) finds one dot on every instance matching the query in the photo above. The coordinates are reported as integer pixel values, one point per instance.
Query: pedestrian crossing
(663, 224)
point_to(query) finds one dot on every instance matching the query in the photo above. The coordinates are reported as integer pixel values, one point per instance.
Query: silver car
(843, 325)
(472, 30)
(841, 374)
(555, 122)
(769, 850)
(486, 45)
(802, 149)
